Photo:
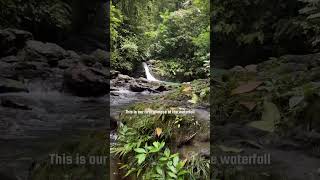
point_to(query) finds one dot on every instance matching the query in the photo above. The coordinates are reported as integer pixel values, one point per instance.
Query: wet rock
(124, 77)
(12, 104)
(11, 40)
(161, 88)
(85, 81)
(135, 87)
(114, 74)
(9, 85)
(9, 59)
(142, 79)
(32, 70)
(67, 63)
(72, 59)
(44, 52)
(7, 70)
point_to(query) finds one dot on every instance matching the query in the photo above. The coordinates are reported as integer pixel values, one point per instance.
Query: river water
(29, 135)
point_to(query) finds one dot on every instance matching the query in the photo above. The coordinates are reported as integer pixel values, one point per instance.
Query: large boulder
(135, 87)
(9, 85)
(44, 52)
(101, 56)
(86, 81)
(11, 40)
(7, 70)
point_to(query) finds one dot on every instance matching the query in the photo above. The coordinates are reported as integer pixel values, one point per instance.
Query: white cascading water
(148, 74)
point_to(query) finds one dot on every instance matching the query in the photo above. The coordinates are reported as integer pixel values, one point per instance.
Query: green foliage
(16, 13)
(166, 30)
(148, 161)
(197, 92)
(199, 167)
(256, 23)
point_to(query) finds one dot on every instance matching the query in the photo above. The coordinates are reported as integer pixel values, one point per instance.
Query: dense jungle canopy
(174, 32)
(250, 31)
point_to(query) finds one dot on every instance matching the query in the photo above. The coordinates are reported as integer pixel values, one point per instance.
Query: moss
(171, 124)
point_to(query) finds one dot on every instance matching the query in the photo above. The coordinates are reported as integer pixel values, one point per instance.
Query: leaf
(129, 172)
(173, 169)
(270, 112)
(175, 161)
(156, 144)
(167, 152)
(187, 89)
(141, 158)
(194, 99)
(159, 170)
(163, 159)
(230, 149)
(181, 164)
(245, 88)
(250, 105)
(140, 150)
(172, 175)
(158, 131)
(138, 173)
(183, 172)
(162, 145)
(270, 116)
(295, 100)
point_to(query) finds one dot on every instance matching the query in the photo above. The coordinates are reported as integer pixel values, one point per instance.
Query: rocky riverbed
(47, 95)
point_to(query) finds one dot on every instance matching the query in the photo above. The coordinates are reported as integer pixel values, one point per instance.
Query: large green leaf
(270, 116)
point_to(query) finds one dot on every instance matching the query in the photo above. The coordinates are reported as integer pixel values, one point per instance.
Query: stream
(44, 119)
(119, 100)
(122, 97)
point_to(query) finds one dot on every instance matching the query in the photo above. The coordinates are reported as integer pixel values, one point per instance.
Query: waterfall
(148, 74)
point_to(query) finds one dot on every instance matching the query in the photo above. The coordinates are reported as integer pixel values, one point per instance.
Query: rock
(9, 59)
(11, 40)
(135, 87)
(114, 74)
(67, 63)
(315, 73)
(238, 69)
(72, 59)
(251, 68)
(12, 104)
(87, 60)
(73, 55)
(142, 79)
(124, 77)
(85, 81)
(7, 70)
(44, 52)
(101, 56)
(9, 85)
(161, 88)
(32, 70)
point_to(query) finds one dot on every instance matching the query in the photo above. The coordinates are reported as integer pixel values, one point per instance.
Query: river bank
(266, 109)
